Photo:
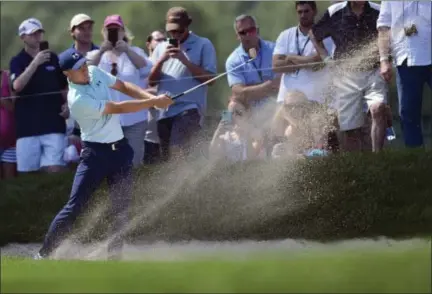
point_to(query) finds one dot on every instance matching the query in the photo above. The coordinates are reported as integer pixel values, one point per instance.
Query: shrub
(346, 196)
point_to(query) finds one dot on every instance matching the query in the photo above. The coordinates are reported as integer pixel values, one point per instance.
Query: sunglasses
(249, 31)
(114, 69)
(159, 40)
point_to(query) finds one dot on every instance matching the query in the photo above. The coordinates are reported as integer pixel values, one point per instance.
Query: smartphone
(43, 45)
(112, 35)
(173, 42)
(227, 116)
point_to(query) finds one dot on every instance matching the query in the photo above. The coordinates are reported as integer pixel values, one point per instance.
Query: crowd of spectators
(322, 87)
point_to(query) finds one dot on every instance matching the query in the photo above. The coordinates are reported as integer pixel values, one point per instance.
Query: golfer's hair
(312, 4)
(243, 17)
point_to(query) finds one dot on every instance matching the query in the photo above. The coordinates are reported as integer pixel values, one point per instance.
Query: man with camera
(183, 62)
(38, 81)
(405, 34)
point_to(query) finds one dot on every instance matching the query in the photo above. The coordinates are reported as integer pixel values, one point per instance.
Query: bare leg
(379, 123)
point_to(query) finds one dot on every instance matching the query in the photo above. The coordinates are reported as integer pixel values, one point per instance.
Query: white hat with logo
(29, 26)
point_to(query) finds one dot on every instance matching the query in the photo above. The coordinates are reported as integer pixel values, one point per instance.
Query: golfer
(106, 153)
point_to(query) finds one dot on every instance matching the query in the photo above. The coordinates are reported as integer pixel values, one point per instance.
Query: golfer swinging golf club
(105, 154)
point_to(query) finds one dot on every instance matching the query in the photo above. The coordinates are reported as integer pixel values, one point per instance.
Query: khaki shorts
(352, 91)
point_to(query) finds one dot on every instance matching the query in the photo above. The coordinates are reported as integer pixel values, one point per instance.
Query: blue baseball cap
(74, 61)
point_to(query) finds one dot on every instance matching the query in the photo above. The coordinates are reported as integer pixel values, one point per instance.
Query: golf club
(252, 54)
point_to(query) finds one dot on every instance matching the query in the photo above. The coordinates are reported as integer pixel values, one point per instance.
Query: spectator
(175, 70)
(7, 129)
(294, 51)
(152, 152)
(131, 64)
(236, 139)
(292, 54)
(405, 33)
(352, 26)
(154, 39)
(38, 81)
(253, 83)
(81, 30)
(300, 127)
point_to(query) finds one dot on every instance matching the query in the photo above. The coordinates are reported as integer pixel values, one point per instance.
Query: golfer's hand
(386, 71)
(162, 101)
(177, 54)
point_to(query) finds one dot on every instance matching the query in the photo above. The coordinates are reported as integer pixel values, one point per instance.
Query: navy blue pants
(410, 83)
(98, 162)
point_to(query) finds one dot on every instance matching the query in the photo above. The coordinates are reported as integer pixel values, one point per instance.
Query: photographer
(130, 64)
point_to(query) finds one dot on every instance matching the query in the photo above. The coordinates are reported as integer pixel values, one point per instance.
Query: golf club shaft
(211, 80)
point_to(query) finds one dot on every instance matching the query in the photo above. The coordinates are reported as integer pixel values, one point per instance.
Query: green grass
(363, 271)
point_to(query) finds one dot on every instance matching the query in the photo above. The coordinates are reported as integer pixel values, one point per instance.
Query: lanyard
(300, 53)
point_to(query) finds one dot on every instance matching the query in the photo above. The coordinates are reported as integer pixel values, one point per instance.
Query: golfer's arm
(199, 73)
(127, 106)
(132, 90)
(384, 41)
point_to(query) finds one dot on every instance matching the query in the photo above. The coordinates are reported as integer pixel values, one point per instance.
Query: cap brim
(78, 64)
(81, 22)
(172, 26)
(114, 23)
(32, 31)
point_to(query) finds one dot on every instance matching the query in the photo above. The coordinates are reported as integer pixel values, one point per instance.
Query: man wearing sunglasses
(154, 39)
(253, 83)
(184, 61)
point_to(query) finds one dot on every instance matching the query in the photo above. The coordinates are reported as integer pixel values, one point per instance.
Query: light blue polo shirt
(86, 104)
(253, 73)
(176, 78)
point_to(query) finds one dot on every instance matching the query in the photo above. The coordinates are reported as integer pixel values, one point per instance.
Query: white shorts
(8, 155)
(352, 91)
(36, 152)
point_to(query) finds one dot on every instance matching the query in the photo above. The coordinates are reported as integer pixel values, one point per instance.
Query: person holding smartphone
(236, 139)
(183, 62)
(131, 64)
(40, 85)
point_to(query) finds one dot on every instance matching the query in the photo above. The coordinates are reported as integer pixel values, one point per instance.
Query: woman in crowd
(7, 130)
(130, 64)
(301, 127)
(236, 139)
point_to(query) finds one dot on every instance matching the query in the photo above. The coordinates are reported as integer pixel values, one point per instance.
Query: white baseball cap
(79, 19)
(29, 26)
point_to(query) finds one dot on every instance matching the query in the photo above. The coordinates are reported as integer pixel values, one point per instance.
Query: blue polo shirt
(37, 114)
(87, 103)
(176, 78)
(253, 73)
(68, 52)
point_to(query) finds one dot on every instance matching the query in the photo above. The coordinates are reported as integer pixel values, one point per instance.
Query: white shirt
(400, 14)
(286, 44)
(127, 72)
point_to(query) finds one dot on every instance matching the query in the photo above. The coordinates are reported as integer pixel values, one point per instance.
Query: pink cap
(113, 19)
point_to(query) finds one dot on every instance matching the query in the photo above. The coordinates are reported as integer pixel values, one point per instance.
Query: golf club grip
(209, 81)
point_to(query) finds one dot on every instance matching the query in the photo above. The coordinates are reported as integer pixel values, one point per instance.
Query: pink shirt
(7, 120)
